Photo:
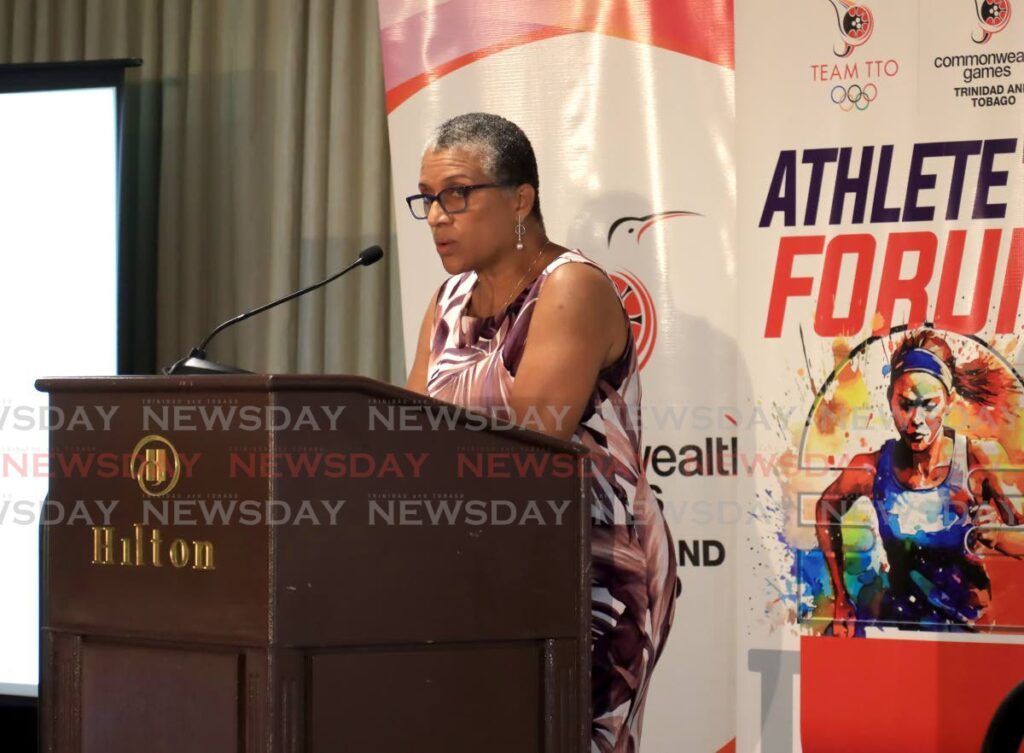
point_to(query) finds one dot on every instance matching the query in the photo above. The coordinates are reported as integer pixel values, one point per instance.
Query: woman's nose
(435, 215)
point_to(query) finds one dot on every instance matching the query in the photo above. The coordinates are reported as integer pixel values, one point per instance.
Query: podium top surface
(274, 383)
(223, 383)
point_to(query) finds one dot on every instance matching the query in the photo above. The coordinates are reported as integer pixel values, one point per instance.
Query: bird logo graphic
(637, 226)
(636, 299)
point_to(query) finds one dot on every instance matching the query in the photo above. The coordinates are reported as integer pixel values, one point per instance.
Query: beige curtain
(257, 162)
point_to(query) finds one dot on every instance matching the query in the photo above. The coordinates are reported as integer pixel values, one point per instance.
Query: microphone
(196, 362)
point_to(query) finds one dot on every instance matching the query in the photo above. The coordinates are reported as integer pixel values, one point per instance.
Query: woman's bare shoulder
(986, 453)
(858, 476)
(578, 283)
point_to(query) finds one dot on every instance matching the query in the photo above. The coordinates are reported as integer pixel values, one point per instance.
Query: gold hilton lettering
(132, 551)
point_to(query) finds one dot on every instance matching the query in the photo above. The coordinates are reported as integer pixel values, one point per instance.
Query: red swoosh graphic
(649, 223)
(425, 46)
(406, 89)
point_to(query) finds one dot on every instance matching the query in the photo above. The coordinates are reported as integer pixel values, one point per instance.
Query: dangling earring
(520, 231)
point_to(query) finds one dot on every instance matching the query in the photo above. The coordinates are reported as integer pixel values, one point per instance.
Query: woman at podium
(525, 326)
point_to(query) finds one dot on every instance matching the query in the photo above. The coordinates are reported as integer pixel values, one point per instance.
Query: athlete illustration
(939, 504)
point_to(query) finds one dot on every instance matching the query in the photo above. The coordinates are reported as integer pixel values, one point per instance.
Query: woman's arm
(417, 381)
(577, 327)
(855, 481)
(995, 516)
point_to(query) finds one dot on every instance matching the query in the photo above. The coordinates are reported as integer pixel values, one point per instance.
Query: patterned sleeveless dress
(934, 583)
(473, 362)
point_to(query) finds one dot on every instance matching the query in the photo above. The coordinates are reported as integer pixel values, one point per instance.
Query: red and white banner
(776, 251)
(881, 195)
(630, 110)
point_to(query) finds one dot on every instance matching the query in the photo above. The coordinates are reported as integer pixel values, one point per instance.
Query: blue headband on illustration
(926, 362)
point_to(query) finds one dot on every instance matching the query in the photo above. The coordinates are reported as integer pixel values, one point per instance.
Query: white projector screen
(58, 305)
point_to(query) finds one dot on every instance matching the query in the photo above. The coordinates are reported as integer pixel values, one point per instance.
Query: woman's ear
(525, 196)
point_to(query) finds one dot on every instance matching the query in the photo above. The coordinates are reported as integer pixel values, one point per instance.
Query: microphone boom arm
(195, 362)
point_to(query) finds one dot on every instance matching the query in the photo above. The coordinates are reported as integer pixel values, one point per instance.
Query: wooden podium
(308, 564)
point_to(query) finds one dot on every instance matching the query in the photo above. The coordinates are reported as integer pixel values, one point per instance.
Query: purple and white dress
(473, 362)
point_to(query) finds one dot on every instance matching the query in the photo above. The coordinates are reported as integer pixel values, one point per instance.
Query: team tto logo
(854, 96)
(155, 465)
(993, 17)
(855, 26)
(640, 309)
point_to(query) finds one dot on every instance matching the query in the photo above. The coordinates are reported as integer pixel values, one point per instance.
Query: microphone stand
(196, 361)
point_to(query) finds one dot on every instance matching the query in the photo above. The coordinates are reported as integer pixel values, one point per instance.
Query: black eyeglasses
(453, 200)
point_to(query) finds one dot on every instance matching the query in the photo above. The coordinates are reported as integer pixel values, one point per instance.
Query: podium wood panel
(468, 695)
(196, 693)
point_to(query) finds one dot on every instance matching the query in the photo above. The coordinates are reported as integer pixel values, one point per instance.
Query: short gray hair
(505, 152)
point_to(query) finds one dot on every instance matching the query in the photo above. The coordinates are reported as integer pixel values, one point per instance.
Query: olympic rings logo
(853, 96)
